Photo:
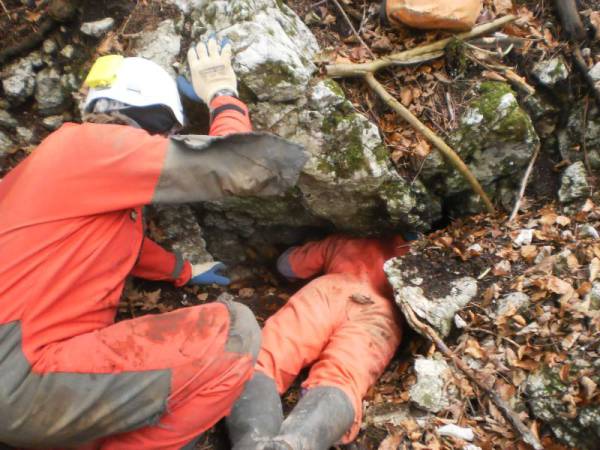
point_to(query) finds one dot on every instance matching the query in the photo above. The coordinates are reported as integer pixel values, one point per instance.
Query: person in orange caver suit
(344, 324)
(72, 231)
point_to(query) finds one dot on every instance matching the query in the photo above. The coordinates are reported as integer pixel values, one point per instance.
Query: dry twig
(415, 56)
(504, 407)
(363, 43)
(583, 68)
(524, 182)
(5, 10)
(439, 143)
(569, 17)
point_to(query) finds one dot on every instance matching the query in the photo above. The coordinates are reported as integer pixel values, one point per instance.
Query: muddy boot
(256, 415)
(318, 421)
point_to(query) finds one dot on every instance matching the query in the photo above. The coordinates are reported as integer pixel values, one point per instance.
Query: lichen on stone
(496, 139)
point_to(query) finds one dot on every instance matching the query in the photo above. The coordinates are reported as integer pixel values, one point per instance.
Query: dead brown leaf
(391, 442)
(503, 6)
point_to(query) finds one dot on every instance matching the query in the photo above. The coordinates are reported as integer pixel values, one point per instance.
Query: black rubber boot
(318, 421)
(257, 415)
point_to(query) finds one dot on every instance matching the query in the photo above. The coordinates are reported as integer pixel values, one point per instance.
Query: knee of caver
(244, 331)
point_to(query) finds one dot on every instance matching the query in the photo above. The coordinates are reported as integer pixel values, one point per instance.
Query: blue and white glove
(208, 273)
(283, 264)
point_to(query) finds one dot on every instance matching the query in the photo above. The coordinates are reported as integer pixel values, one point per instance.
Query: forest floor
(560, 325)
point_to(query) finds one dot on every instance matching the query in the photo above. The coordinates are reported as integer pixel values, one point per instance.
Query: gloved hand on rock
(208, 273)
(210, 66)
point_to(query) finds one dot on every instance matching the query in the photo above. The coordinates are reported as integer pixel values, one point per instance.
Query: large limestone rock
(349, 182)
(496, 139)
(273, 48)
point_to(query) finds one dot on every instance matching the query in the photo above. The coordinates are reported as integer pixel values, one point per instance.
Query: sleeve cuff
(185, 272)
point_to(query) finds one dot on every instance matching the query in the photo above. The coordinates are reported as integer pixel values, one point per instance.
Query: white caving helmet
(133, 81)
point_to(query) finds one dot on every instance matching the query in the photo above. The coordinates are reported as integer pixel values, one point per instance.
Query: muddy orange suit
(343, 323)
(71, 231)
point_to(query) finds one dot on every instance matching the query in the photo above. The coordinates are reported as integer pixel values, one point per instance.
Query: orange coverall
(71, 231)
(344, 323)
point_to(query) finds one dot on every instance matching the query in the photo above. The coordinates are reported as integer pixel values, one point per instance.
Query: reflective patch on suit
(69, 409)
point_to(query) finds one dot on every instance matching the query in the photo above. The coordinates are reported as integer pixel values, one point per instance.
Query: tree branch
(352, 28)
(569, 17)
(507, 412)
(415, 56)
(412, 56)
(515, 210)
(444, 148)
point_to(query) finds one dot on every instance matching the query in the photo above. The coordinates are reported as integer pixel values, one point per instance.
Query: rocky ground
(518, 302)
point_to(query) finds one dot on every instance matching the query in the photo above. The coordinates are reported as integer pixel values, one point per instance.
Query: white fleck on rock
(25, 135)
(512, 303)
(187, 5)
(466, 434)
(52, 122)
(523, 238)
(459, 322)
(429, 392)
(476, 248)
(544, 253)
(595, 72)
(507, 101)
(161, 45)
(68, 51)
(98, 28)
(594, 296)
(7, 120)
(326, 94)
(551, 72)
(18, 80)
(49, 92)
(6, 144)
(471, 447)
(472, 116)
(49, 46)
(574, 185)
(588, 231)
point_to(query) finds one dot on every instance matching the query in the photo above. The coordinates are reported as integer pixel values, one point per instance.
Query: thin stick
(515, 210)
(507, 411)
(569, 16)
(444, 148)
(5, 10)
(415, 54)
(583, 68)
(352, 27)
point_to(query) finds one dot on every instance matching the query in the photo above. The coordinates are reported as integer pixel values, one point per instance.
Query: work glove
(208, 273)
(210, 66)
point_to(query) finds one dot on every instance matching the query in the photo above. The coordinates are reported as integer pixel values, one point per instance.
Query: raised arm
(307, 260)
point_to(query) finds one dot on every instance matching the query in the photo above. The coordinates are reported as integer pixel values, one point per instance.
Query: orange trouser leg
(205, 351)
(349, 343)
(295, 336)
(358, 352)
